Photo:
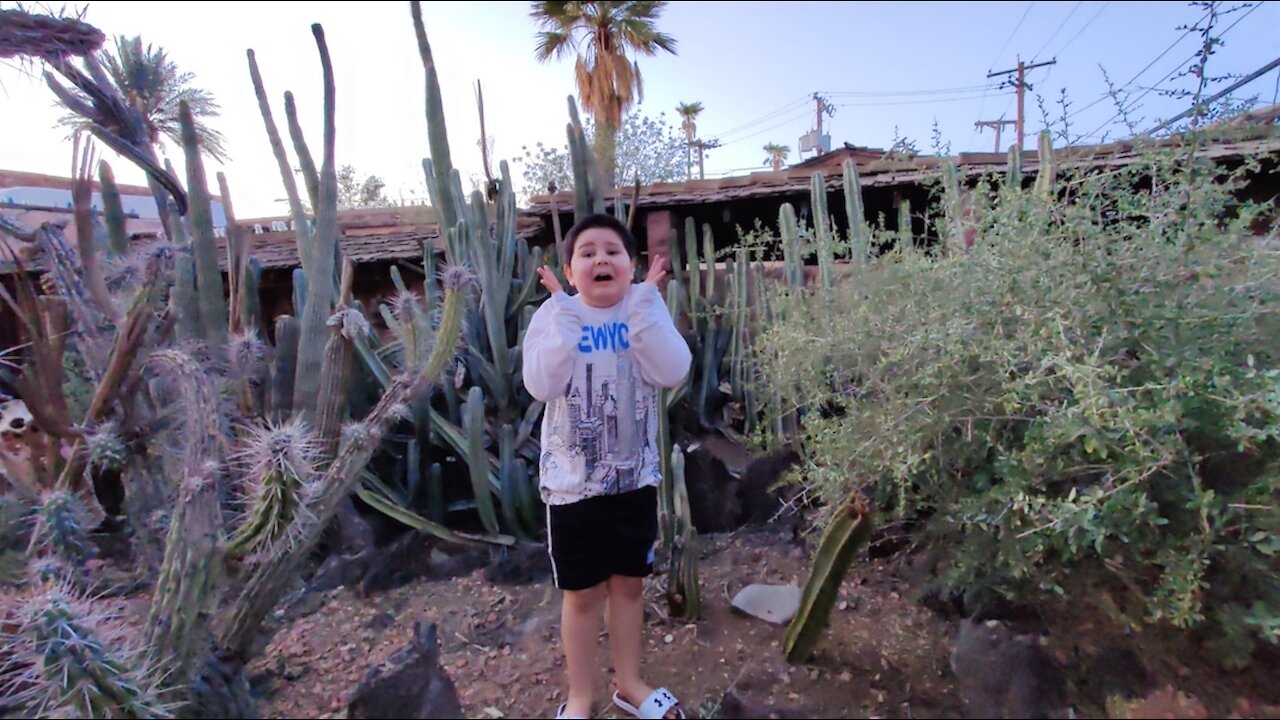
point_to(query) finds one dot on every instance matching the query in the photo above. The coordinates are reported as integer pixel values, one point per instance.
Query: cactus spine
(65, 661)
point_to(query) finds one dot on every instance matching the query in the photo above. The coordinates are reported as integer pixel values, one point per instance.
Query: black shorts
(596, 538)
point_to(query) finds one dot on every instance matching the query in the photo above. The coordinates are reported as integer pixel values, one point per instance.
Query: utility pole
(823, 107)
(997, 125)
(1021, 85)
(703, 146)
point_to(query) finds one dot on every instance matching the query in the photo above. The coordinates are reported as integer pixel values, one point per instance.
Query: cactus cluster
(67, 657)
(251, 465)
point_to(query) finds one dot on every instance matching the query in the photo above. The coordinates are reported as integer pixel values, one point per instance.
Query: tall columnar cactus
(213, 303)
(684, 596)
(185, 592)
(792, 251)
(847, 532)
(497, 312)
(953, 229)
(859, 233)
(822, 233)
(113, 210)
(906, 235)
(1047, 174)
(1013, 178)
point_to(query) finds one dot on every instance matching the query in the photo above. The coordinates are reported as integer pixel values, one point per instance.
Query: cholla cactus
(105, 447)
(247, 354)
(279, 463)
(62, 529)
(68, 656)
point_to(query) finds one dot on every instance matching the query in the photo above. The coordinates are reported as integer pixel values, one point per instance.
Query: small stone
(669, 639)
(844, 605)
(845, 676)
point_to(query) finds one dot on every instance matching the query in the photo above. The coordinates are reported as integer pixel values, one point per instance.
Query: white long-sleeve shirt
(598, 370)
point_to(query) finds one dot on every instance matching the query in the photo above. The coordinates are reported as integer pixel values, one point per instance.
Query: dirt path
(884, 657)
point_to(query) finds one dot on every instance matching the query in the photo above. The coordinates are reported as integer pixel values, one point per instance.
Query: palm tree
(689, 111)
(777, 155)
(602, 34)
(150, 82)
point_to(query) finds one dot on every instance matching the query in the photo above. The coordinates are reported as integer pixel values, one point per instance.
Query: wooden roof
(1230, 141)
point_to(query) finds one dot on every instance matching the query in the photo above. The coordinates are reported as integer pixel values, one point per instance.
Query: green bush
(1086, 403)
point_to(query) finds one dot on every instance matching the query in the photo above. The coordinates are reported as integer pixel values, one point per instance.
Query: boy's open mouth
(603, 276)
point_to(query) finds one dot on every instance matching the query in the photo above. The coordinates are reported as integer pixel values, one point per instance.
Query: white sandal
(657, 705)
(561, 716)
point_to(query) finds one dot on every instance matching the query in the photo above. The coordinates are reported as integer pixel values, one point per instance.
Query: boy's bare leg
(626, 625)
(579, 633)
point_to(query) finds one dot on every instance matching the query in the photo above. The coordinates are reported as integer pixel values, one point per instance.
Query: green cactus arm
(847, 532)
(859, 233)
(186, 303)
(1047, 174)
(285, 367)
(709, 262)
(113, 210)
(792, 258)
(440, 166)
(319, 300)
(186, 591)
(822, 232)
(301, 227)
(694, 266)
(1013, 177)
(213, 304)
(306, 163)
(478, 459)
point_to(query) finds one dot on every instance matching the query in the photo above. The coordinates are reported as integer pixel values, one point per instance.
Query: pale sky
(754, 66)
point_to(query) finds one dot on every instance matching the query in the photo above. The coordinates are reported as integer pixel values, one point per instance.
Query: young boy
(597, 359)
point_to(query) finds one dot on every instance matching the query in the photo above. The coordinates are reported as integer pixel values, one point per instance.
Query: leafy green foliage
(1087, 402)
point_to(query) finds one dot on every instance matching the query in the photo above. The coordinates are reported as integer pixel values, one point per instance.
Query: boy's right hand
(549, 280)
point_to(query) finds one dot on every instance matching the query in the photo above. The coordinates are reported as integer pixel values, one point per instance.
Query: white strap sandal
(560, 714)
(657, 705)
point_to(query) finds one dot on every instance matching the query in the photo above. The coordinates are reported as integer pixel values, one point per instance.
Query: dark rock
(339, 571)
(758, 502)
(1116, 672)
(406, 559)
(720, 502)
(414, 685)
(521, 565)
(462, 563)
(1004, 675)
(713, 492)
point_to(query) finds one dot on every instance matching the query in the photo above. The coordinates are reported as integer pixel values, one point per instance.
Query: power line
(1083, 28)
(1055, 32)
(1140, 72)
(794, 118)
(764, 118)
(1015, 32)
(1009, 39)
(1172, 72)
(916, 102)
(895, 93)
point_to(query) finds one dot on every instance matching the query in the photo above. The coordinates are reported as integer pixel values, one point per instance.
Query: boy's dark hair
(599, 220)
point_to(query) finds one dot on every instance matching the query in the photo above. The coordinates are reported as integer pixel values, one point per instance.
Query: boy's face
(600, 268)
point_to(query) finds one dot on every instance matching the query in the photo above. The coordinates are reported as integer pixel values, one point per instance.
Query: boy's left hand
(657, 271)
